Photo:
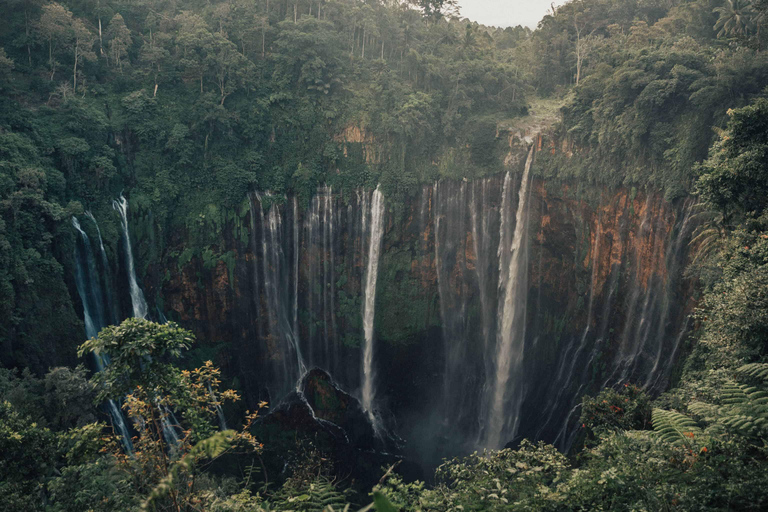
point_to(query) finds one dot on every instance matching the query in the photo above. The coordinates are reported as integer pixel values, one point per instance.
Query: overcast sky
(505, 13)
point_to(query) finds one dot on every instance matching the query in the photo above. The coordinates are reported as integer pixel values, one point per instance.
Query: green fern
(675, 428)
(757, 371)
(733, 394)
(318, 496)
(708, 236)
(745, 406)
(704, 412)
(749, 418)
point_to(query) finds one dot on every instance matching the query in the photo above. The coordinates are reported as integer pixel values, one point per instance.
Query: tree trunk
(74, 72)
(50, 56)
(26, 31)
(578, 66)
(363, 55)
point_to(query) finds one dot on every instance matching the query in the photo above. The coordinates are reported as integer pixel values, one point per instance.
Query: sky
(506, 13)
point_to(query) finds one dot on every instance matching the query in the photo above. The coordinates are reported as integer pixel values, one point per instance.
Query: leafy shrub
(628, 408)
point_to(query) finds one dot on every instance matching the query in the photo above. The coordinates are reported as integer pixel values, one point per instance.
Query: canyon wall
(600, 287)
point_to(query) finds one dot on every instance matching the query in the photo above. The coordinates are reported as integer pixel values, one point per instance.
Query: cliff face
(604, 300)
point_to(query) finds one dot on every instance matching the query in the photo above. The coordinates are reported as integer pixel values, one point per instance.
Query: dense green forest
(189, 104)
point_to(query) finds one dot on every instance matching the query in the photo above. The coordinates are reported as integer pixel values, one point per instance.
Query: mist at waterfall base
(523, 301)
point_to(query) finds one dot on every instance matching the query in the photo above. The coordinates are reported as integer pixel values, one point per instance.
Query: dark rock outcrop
(331, 404)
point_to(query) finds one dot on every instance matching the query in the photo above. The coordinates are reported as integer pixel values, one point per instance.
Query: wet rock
(330, 403)
(294, 413)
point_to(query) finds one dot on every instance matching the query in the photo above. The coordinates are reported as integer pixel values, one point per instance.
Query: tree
(81, 42)
(6, 66)
(436, 9)
(155, 52)
(63, 31)
(173, 410)
(119, 38)
(228, 66)
(584, 45)
(195, 40)
(28, 459)
(735, 18)
(54, 25)
(734, 180)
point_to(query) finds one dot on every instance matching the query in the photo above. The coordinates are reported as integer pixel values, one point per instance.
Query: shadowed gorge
(607, 303)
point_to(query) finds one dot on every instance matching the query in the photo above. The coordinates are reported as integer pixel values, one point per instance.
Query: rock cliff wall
(606, 300)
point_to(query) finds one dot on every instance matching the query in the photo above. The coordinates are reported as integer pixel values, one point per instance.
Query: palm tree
(736, 18)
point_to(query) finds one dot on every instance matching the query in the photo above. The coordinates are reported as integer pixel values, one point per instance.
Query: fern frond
(705, 412)
(733, 394)
(757, 371)
(673, 427)
(320, 495)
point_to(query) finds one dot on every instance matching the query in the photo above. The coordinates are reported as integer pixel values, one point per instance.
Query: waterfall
(451, 267)
(371, 275)
(675, 260)
(482, 218)
(138, 301)
(140, 309)
(169, 423)
(320, 242)
(481, 244)
(647, 317)
(111, 300)
(507, 393)
(296, 274)
(561, 383)
(281, 312)
(88, 286)
(89, 289)
(330, 265)
(312, 226)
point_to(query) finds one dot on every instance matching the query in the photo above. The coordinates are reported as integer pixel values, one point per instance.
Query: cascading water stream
(88, 287)
(642, 356)
(219, 410)
(506, 395)
(296, 275)
(371, 276)
(674, 262)
(274, 268)
(110, 299)
(481, 240)
(331, 266)
(140, 310)
(562, 381)
(320, 244)
(138, 302)
(450, 219)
